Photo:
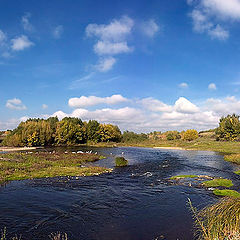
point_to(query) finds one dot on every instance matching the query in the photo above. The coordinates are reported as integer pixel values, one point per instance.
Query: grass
(238, 172)
(121, 162)
(183, 176)
(220, 221)
(52, 236)
(234, 158)
(19, 166)
(218, 182)
(226, 192)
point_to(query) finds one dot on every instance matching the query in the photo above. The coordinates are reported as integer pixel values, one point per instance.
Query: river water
(132, 203)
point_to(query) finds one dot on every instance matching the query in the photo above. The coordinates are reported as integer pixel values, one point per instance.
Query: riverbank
(29, 165)
(15, 149)
(230, 150)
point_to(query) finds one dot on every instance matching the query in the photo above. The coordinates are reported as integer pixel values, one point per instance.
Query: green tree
(69, 131)
(92, 131)
(229, 128)
(109, 133)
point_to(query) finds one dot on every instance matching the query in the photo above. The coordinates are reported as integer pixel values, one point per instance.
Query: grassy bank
(19, 166)
(219, 221)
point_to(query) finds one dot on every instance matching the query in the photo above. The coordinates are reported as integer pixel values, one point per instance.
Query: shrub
(121, 162)
(190, 134)
(172, 135)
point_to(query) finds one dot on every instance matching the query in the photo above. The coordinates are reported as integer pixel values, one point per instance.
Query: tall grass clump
(121, 162)
(220, 221)
(58, 236)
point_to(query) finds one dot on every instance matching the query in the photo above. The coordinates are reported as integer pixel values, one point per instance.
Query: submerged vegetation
(18, 166)
(183, 176)
(220, 221)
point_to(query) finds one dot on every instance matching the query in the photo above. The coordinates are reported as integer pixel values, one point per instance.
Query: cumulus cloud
(58, 31)
(111, 39)
(182, 105)
(212, 86)
(15, 104)
(146, 114)
(209, 16)
(27, 26)
(21, 43)
(93, 100)
(150, 28)
(111, 48)
(224, 106)
(149, 114)
(115, 31)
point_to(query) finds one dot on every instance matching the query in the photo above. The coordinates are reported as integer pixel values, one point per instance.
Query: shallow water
(136, 202)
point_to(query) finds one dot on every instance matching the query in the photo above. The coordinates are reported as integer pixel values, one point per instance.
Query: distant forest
(73, 131)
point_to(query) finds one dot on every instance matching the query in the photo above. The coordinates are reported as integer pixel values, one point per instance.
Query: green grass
(218, 182)
(19, 166)
(219, 221)
(226, 192)
(183, 176)
(121, 162)
(237, 172)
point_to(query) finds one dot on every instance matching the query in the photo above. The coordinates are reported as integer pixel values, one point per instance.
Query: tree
(229, 128)
(109, 133)
(190, 134)
(92, 131)
(69, 131)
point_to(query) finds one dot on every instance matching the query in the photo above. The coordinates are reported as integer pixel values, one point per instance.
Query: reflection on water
(134, 203)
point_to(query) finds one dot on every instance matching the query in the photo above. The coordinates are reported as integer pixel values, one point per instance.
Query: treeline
(68, 131)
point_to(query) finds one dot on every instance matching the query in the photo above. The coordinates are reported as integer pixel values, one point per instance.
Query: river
(132, 203)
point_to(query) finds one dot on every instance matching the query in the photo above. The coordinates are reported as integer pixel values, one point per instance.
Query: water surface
(132, 203)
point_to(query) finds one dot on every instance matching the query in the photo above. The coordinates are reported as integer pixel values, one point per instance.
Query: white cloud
(27, 26)
(105, 64)
(149, 114)
(212, 86)
(20, 43)
(224, 106)
(150, 28)
(155, 105)
(44, 106)
(15, 104)
(182, 105)
(223, 8)
(115, 31)
(219, 33)
(93, 100)
(209, 16)
(183, 85)
(111, 39)
(58, 31)
(111, 48)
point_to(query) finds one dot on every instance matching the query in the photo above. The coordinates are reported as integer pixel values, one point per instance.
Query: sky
(143, 65)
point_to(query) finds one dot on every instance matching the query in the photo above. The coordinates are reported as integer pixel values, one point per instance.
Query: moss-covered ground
(19, 166)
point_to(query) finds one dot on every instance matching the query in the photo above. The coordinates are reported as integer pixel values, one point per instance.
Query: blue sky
(144, 65)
